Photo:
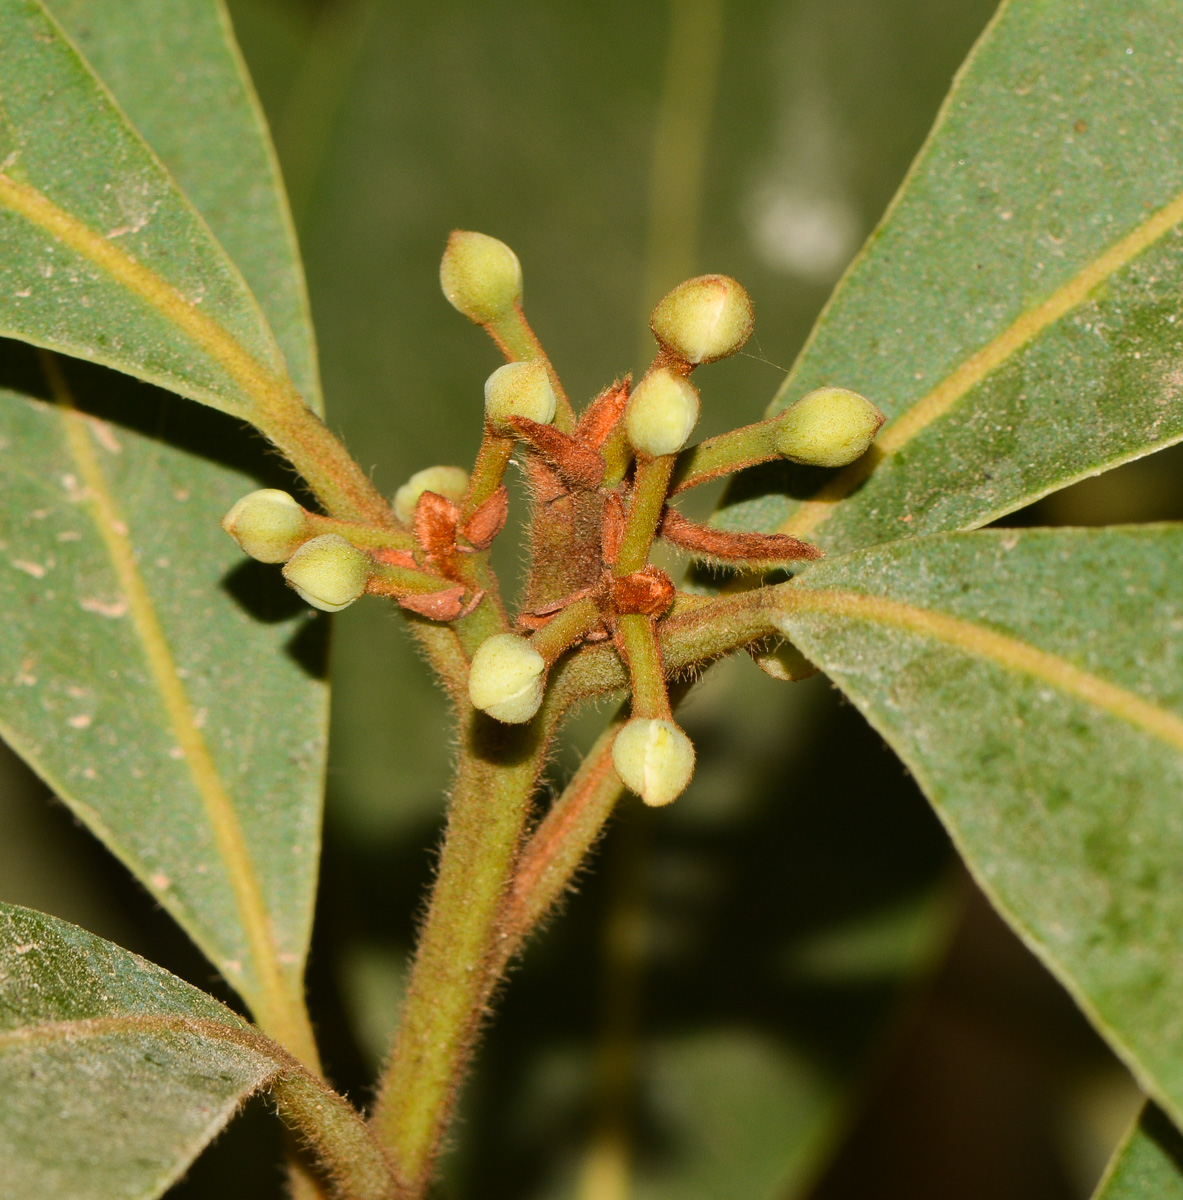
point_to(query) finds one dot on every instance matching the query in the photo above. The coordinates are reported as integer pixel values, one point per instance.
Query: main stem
(498, 768)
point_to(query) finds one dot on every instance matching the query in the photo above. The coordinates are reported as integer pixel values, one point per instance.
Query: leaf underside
(90, 218)
(114, 1073)
(213, 802)
(1033, 683)
(1148, 1165)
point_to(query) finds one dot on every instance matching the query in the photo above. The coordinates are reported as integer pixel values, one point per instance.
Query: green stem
(557, 847)
(338, 1138)
(642, 656)
(342, 487)
(565, 628)
(725, 454)
(499, 766)
(487, 472)
(365, 537)
(518, 342)
(644, 514)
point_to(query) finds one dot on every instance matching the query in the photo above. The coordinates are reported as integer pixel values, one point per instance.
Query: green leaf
(114, 1074)
(1033, 683)
(1148, 1165)
(1015, 314)
(151, 676)
(104, 258)
(164, 61)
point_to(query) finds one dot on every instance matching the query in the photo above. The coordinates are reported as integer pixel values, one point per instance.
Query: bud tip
(828, 427)
(480, 276)
(662, 413)
(704, 319)
(268, 524)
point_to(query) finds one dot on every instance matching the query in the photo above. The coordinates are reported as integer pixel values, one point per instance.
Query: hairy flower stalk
(596, 614)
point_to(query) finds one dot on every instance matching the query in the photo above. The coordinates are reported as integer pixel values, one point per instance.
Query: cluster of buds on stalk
(600, 486)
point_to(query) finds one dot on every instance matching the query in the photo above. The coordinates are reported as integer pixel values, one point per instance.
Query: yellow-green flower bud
(507, 678)
(450, 482)
(480, 276)
(268, 524)
(520, 389)
(328, 572)
(662, 413)
(782, 660)
(829, 427)
(704, 319)
(653, 758)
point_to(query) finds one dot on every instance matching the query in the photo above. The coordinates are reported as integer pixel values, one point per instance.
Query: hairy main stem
(497, 772)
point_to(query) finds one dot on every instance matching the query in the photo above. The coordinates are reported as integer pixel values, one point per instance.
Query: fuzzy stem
(725, 454)
(557, 848)
(499, 765)
(388, 580)
(642, 656)
(644, 513)
(565, 628)
(518, 342)
(365, 537)
(337, 1136)
(342, 487)
(617, 455)
(487, 472)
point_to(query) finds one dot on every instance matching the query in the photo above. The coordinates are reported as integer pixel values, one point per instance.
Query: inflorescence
(600, 485)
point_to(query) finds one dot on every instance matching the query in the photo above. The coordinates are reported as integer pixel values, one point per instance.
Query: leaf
(165, 60)
(114, 1074)
(1033, 683)
(1148, 1165)
(104, 258)
(1015, 314)
(153, 678)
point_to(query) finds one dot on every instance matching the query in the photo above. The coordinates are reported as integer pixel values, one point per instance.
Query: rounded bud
(507, 678)
(520, 389)
(449, 482)
(328, 572)
(268, 524)
(829, 427)
(662, 413)
(704, 319)
(480, 276)
(653, 758)
(782, 660)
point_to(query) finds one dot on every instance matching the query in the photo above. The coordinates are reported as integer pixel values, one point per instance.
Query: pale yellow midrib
(274, 1002)
(270, 392)
(909, 424)
(1007, 651)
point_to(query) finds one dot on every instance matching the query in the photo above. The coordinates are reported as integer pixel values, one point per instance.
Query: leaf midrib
(273, 393)
(1009, 652)
(814, 511)
(275, 1006)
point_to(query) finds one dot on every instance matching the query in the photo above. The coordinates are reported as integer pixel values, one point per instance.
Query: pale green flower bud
(480, 276)
(507, 678)
(449, 482)
(328, 572)
(520, 389)
(829, 427)
(662, 413)
(704, 319)
(653, 758)
(268, 524)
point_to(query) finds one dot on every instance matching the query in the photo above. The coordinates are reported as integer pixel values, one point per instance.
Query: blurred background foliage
(783, 986)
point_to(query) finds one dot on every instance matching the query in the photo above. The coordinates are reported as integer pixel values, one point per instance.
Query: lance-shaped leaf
(113, 1073)
(165, 61)
(174, 719)
(104, 258)
(1148, 1165)
(1016, 316)
(1033, 683)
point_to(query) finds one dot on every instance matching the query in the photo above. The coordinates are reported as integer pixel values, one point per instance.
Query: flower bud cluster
(613, 469)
